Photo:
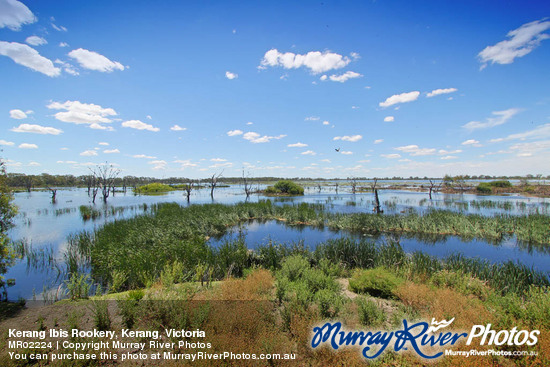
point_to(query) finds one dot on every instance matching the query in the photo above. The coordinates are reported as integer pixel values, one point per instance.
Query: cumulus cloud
(111, 151)
(389, 119)
(234, 132)
(449, 157)
(352, 138)
(36, 129)
(229, 75)
(6, 143)
(94, 61)
(28, 146)
(378, 141)
(443, 151)
(103, 143)
(316, 61)
(83, 113)
(89, 153)
(391, 156)
(63, 44)
(326, 123)
(29, 57)
(68, 68)
(312, 118)
(35, 41)
(18, 114)
(14, 14)
(218, 160)
(471, 142)
(346, 152)
(143, 156)
(520, 42)
(59, 28)
(158, 164)
(500, 118)
(297, 145)
(415, 150)
(256, 138)
(178, 128)
(437, 92)
(342, 77)
(400, 98)
(139, 125)
(308, 152)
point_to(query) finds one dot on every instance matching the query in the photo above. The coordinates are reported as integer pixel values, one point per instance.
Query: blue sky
(189, 89)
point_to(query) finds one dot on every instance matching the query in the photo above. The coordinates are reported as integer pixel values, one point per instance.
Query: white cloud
(400, 98)
(229, 75)
(346, 152)
(250, 123)
(36, 41)
(28, 146)
(308, 152)
(97, 126)
(312, 118)
(326, 160)
(221, 165)
(541, 131)
(149, 117)
(342, 78)
(94, 61)
(178, 128)
(437, 92)
(297, 145)
(69, 68)
(415, 150)
(59, 28)
(186, 163)
(389, 119)
(36, 129)
(63, 44)
(352, 138)
(34, 164)
(470, 142)
(501, 118)
(158, 164)
(391, 156)
(234, 132)
(449, 157)
(138, 125)
(256, 138)
(29, 57)
(103, 143)
(326, 123)
(18, 114)
(82, 113)
(218, 160)
(111, 151)
(6, 143)
(14, 14)
(443, 151)
(317, 62)
(521, 42)
(89, 153)
(378, 141)
(143, 156)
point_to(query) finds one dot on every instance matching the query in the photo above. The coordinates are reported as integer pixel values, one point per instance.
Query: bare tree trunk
(54, 193)
(377, 207)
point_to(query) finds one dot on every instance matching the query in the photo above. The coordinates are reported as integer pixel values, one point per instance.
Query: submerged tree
(247, 185)
(7, 212)
(188, 187)
(434, 187)
(377, 207)
(214, 182)
(353, 183)
(104, 179)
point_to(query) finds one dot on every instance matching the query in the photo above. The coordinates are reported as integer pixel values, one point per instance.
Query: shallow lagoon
(47, 225)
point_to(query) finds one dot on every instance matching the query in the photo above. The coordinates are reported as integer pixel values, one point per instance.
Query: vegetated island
(284, 188)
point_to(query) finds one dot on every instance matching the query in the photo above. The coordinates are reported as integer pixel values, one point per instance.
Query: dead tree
(188, 188)
(353, 183)
(377, 207)
(434, 187)
(319, 187)
(247, 186)
(336, 187)
(214, 182)
(54, 193)
(105, 176)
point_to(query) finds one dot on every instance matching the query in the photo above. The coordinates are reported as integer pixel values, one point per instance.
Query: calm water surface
(47, 225)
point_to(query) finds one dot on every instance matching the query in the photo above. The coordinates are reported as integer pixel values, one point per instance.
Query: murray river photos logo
(417, 337)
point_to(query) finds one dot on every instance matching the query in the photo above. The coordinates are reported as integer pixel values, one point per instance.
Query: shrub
(501, 183)
(294, 267)
(369, 312)
(484, 188)
(285, 187)
(329, 303)
(153, 188)
(377, 282)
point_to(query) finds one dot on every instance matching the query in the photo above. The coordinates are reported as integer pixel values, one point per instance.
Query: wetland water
(46, 225)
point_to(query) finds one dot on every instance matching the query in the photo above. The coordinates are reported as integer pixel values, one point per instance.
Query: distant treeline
(20, 180)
